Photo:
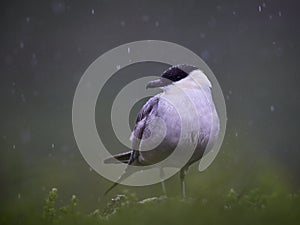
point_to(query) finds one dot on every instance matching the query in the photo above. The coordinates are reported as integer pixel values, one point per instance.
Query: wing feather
(138, 131)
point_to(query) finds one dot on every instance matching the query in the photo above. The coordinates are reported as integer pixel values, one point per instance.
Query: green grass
(233, 190)
(231, 207)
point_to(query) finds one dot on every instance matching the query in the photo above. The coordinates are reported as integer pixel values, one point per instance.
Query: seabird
(180, 83)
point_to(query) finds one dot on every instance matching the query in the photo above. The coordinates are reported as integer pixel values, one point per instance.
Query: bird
(176, 83)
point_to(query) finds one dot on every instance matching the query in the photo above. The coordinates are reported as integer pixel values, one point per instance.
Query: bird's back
(164, 123)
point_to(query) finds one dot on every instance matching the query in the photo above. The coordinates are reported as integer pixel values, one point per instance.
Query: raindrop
(279, 13)
(259, 8)
(52, 146)
(272, 108)
(156, 23)
(145, 18)
(34, 60)
(14, 147)
(23, 98)
(236, 134)
(234, 13)
(27, 19)
(58, 7)
(205, 54)
(118, 67)
(93, 11)
(19, 195)
(212, 22)
(21, 44)
(123, 23)
(128, 50)
(278, 51)
(90, 169)
(35, 93)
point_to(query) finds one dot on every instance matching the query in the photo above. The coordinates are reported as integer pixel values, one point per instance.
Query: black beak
(161, 82)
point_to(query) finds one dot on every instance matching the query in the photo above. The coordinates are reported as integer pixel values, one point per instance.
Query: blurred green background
(253, 49)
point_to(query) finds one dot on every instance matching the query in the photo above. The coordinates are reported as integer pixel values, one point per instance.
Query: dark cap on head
(173, 74)
(178, 72)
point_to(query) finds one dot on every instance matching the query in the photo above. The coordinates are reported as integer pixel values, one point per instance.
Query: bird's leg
(182, 175)
(162, 175)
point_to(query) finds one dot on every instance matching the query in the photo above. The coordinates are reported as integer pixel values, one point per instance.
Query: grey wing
(136, 136)
(140, 125)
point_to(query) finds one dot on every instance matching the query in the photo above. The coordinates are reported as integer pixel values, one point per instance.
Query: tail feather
(110, 188)
(121, 158)
(125, 174)
(126, 157)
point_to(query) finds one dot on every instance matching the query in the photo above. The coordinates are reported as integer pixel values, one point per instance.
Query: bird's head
(186, 76)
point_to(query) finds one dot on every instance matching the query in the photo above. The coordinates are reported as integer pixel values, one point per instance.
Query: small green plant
(231, 199)
(122, 200)
(70, 209)
(49, 212)
(253, 199)
(251, 205)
